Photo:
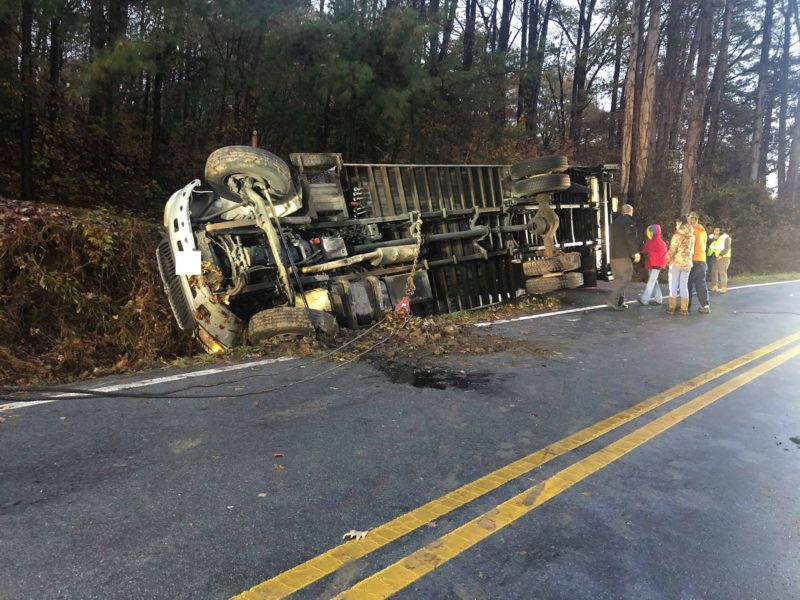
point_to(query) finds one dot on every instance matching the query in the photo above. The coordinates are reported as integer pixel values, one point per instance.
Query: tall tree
(645, 88)
(581, 46)
(469, 33)
(695, 120)
(714, 105)
(761, 92)
(26, 81)
(784, 85)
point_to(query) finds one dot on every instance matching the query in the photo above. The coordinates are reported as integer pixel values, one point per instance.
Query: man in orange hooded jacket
(697, 276)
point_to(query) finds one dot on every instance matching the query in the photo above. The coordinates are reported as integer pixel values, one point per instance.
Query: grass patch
(745, 278)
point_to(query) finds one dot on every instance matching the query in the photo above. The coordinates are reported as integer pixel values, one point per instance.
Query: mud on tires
(228, 161)
(290, 323)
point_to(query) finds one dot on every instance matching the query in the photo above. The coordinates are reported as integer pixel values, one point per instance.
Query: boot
(684, 306)
(671, 302)
(723, 290)
(713, 288)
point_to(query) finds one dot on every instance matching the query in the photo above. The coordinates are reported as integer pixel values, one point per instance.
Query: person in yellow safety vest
(720, 248)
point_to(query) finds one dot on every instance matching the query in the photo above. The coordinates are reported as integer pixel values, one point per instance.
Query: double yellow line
(406, 571)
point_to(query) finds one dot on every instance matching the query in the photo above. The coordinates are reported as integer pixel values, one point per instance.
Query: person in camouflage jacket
(681, 248)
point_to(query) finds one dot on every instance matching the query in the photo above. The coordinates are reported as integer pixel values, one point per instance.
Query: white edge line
(155, 381)
(586, 308)
(267, 361)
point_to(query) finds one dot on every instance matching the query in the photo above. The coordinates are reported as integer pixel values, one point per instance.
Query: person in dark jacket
(624, 252)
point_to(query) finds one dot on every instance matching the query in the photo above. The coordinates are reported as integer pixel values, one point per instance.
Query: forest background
(118, 102)
(114, 104)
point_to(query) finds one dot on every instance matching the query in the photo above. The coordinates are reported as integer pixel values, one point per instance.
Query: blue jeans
(652, 289)
(679, 281)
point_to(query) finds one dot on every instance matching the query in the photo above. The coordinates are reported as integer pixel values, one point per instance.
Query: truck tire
(543, 266)
(540, 184)
(228, 161)
(573, 280)
(543, 285)
(289, 323)
(566, 262)
(538, 166)
(570, 261)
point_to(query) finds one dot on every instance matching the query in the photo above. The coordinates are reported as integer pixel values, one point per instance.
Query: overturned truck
(274, 250)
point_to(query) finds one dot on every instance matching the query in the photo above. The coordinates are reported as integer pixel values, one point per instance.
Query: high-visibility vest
(716, 247)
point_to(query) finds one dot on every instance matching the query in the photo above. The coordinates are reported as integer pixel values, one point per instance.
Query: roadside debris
(355, 535)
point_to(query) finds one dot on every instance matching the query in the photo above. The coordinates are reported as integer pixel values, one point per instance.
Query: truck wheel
(289, 323)
(540, 184)
(573, 280)
(538, 166)
(226, 162)
(566, 262)
(543, 266)
(570, 261)
(543, 285)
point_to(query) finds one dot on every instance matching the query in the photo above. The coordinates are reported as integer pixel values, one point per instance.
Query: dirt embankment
(80, 294)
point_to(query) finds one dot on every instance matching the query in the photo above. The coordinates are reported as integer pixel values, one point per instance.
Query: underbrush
(80, 294)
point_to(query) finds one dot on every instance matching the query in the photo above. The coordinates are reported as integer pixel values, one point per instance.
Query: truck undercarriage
(278, 251)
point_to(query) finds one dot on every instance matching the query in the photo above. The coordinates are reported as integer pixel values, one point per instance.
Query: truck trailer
(280, 250)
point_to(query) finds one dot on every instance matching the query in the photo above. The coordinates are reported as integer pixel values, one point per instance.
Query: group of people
(690, 251)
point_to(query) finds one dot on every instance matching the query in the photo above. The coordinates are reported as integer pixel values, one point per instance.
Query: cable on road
(82, 393)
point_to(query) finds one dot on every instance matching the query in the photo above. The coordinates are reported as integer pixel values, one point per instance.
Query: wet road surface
(648, 457)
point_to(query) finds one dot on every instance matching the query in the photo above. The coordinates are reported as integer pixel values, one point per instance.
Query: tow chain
(410, 286)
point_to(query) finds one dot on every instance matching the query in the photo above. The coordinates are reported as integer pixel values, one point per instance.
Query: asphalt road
(205, 498)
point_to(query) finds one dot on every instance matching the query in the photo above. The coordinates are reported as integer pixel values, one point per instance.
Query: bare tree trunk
(783, 105)
(504, 33)
(522, 91)
(679, 30)
(537, 67)
(26, 81)
(447, 31)
(793, 173)
(434, 20)
(643, 134)
(155, 137)
(761, 94)
(613, 123)
(469, 33)
(628, 159)
(578, 94)
(766, 137)
(695, 124)
(717, 87)
(54, 58)
(97, 41)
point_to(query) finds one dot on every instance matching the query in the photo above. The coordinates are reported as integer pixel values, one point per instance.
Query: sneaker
(655, 303)
(642, 302)
(613, 306)
(704, 310)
